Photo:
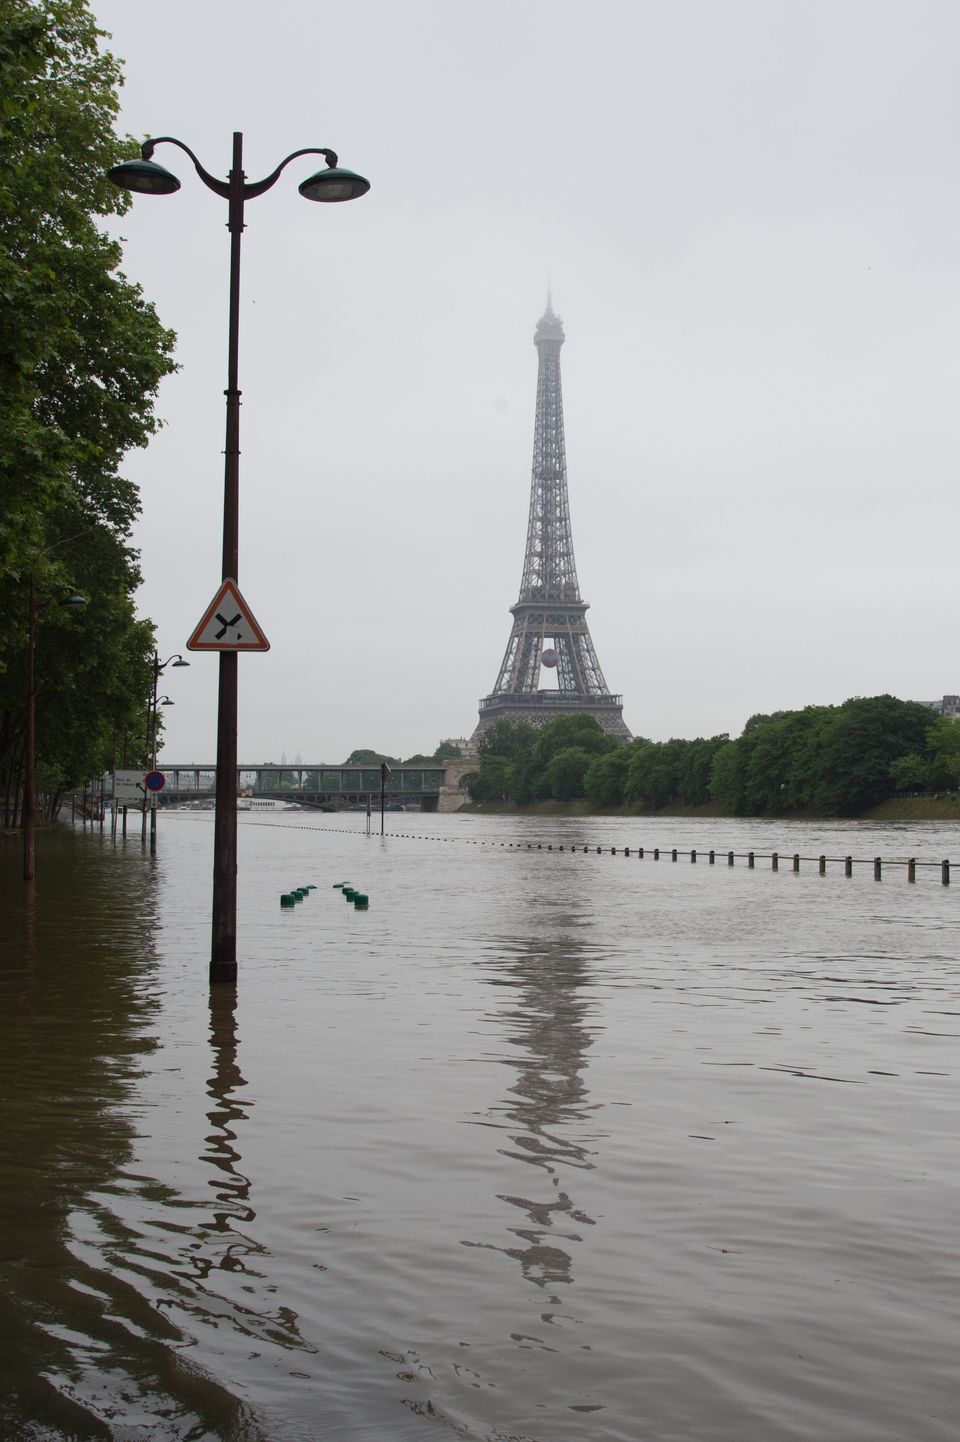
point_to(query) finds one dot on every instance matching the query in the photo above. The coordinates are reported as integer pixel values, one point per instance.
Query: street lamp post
(34, 607)
(159, 667)
(157, 703)
(384, 773)
(334, 184)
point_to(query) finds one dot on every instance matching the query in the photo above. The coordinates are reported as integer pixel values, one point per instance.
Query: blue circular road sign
(154, 781)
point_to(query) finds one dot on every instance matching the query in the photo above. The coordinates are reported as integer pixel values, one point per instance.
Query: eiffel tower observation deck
(549, 619)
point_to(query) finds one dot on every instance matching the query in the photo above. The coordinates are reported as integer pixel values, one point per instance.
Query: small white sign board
(128, 788)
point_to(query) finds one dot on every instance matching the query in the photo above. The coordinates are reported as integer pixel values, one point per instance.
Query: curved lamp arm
(146, 151)
(257, 187)
(222, 187)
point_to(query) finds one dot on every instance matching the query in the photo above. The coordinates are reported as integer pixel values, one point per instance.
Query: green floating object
(287, 899)
(360, 902)
(349, 893)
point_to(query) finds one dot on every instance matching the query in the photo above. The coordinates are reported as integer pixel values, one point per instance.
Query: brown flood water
(544, 1147)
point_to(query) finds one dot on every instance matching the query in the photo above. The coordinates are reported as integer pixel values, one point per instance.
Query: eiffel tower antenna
(549, 618)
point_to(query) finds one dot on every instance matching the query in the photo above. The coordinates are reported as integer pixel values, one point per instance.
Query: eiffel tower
(549, 609)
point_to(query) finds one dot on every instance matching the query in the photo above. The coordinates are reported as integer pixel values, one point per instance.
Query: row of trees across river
(830, 760)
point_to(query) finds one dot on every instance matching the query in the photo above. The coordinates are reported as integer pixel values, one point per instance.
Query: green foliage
(522, 764)
(856, 747)
(652, 773)
(910, 773)
(782, 762)
(728, 777)
(506, 738)
(694, 765)
(446, 751)
(835, 760)
(606, 777)
(661, 773)
(81, 357)
(493, 781)
(81, 353)
(564, 772)
(363, 757)
(943, 750)
(578, 731)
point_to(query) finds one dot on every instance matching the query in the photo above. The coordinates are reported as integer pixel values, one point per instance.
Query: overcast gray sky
(749, 215)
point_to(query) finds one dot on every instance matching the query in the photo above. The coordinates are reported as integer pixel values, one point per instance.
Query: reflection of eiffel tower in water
(549, 1119)
(549, 608)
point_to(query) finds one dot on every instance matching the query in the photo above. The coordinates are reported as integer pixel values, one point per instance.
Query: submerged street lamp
(332, 185)
(176, 661)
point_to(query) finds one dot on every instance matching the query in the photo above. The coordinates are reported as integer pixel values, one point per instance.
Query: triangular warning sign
(228, 624)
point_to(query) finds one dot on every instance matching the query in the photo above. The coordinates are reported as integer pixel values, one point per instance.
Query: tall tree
(81, 357)
(861, 740)
(606, 777)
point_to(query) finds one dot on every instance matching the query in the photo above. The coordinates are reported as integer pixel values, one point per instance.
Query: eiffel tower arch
(550, 618)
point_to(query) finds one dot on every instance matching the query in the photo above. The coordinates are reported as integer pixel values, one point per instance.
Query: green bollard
(287, 899)
(361, 902)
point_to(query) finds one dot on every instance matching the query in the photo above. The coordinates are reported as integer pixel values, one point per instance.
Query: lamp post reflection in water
(548, 1099)
(273, 1324)
(233, 1188)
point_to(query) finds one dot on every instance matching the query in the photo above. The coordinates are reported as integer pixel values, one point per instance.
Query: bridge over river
(433, 787)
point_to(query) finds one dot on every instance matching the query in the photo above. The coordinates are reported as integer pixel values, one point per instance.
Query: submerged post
(384, 773)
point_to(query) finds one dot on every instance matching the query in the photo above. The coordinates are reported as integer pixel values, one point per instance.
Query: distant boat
(262, 803)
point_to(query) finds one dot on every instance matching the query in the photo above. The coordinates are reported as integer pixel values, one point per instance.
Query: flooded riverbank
(547, 1146)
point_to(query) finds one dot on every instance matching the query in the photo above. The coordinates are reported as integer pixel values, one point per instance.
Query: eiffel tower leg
(520, 668)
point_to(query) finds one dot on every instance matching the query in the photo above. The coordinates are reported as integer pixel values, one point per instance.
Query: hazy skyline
(749, 217)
